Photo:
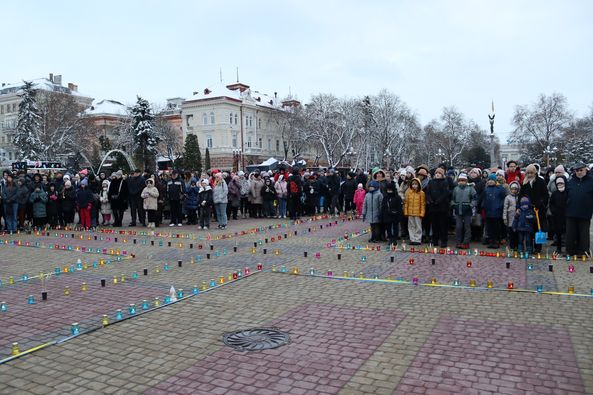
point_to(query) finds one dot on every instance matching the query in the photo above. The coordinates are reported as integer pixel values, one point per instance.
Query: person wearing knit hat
(493, 205)
(371, 210)
(557, 218)
(358, 199)
(535, 188)
(348, 188)
(438, 198)
(511, 204)
(84, 201)
(463, 202)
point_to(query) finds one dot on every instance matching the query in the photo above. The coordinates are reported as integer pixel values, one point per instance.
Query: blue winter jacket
(191, 198)
(493, 201)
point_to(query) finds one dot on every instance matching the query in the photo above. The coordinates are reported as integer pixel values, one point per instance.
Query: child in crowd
(39, 199)
(493, 204)
(105, 204)
(205, 201)
(415, 209)
(391, 212)
(371, 210)
(511, 201)
(191, 202)
(359, 195)
(463, 201)
(150, 195)
(523, 225)
(558, 210)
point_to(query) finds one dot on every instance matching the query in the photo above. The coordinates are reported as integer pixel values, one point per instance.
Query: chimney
(51, 77)
(70, 86)
(57, 79)
(75, 88)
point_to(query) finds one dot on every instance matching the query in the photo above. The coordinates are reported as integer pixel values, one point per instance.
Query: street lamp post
(550, 154)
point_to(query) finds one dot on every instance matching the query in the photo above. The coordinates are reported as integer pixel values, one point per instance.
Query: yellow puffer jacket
(415, 202)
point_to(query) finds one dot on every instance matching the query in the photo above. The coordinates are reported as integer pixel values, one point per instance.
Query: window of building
(277, 145)
(2, 109)
(13, 107)
(212, 118)
(269, 144)
(249, 141)
(209, 141)
(3, 139)
(259, 121)
(205, 119)
(236, 119)
(234, 140)
(231, 118)
(188, 118)
(9, 155)
(259, 142)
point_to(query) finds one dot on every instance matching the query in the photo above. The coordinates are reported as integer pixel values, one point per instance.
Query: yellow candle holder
(203, 286)
(472, 283)
(15, 349)
(10, 280)
(571, 289)
(66, 291)
(66, 269)
(345, 274)
(114, 280)
(253, 250)
(123, 278)
(230, 277)
(295, 270)
(157, 302)
(276, 252)
(361, 275)
(83, 287)
(489, 284)
(157, 269)
(105, 320)
(433, 281)
(221, 280)
(85, 266)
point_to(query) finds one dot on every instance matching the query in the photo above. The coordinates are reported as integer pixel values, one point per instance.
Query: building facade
(237, 125)
(9, 108)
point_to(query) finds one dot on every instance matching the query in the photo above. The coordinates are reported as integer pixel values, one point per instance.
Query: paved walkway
(348, 335)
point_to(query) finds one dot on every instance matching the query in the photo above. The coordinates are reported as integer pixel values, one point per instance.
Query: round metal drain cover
(256, 339)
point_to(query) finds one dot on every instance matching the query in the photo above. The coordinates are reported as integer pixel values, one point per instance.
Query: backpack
(294, 187)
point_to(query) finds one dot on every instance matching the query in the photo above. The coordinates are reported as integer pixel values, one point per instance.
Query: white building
(9, 108)
(235, 123)
(510, 152)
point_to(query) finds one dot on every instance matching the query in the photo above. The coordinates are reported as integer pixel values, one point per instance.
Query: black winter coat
(579, 203)
(391, 210)
(118, 197)
(558, 210)
(348, 189)
(438, 195)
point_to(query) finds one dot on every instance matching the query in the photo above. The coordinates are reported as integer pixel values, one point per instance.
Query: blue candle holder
(3, 306)
(456, 283)
(57, 271)
(217, 254)
(160, 243)
(240, 274)
(31, 299)
(312, 271)
(212, 283)
(72, 269)
(25, 277)
(75, 329)
(145, 305)
(180, 294)
(539, 288)
(166, 267)
(118, 315)
(363, 258)
(198, 258)
(95, 264)
(79, 266)
(195, 290)
(167, 299)
(132, 309)
(530, 266)
(283, 268)
(224, 251)
(134, 275)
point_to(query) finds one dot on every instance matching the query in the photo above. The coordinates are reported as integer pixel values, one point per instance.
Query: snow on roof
(247, 96)
(41, 84)
(107, 107)
(269, 162)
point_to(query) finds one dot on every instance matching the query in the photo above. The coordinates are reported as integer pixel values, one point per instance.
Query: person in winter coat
(511, 203)
(358, 199)
(371, 210)
(463, 201)
(268, 197)
(105, 204)
(68, 206)
(493, 205)
(190, 203)
(150, 195)
(39, 200)
(333, 191)
(514, 173)
(206, 203)
(295, 190)
(348, 190)
(281, 187)
(11, 205)
(175, 196)
(118, 197)
(438, 199)
(220, 197)
(475, 180)
(391, 212)
(257, 201)
(22, 198)
(558, 210)
(84, 202)
(234, 196)
(136, 183)
(579, 208)
(53, 205)
(245, 187)
(535, 188)
(523, 224)
(415, 209)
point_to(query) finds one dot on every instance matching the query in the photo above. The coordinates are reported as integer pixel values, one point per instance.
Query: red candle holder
(411, 261)
(510, 285)
(469, 264)
(260, 267)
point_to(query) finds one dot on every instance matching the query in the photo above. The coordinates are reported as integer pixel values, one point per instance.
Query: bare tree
(171, 144)
(540, 125)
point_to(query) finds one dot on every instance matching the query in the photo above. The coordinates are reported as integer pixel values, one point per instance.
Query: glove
(89, 206)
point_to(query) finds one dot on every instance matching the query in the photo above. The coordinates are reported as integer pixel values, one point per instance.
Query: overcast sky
(431, 53)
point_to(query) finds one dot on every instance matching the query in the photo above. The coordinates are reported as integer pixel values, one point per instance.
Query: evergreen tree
(207, 164)
(192, 157)
(145, 138)
(28, 125)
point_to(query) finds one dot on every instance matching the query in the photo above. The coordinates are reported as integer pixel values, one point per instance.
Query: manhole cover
(256, 339)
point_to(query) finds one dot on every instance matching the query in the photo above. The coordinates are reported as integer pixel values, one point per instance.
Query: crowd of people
(416, 204)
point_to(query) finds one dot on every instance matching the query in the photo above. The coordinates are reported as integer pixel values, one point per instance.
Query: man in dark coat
(118, 197)
(579, 209)
(438, 199)
(535, 188)
(136, 183)
(348, 189)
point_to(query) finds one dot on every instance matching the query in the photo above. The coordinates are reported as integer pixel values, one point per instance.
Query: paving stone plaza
(361, 318)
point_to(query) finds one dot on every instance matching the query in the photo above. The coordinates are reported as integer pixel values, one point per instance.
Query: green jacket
(463, 200)
(39, 200)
